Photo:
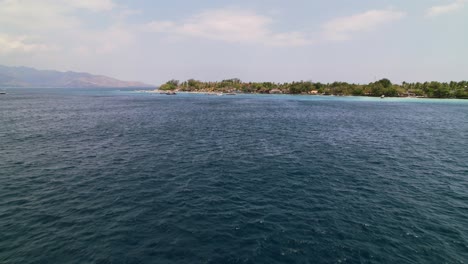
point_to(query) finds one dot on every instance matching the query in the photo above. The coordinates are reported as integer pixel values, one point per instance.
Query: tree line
(381, 87)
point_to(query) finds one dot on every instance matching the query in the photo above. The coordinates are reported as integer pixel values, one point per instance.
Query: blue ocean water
(108, 176)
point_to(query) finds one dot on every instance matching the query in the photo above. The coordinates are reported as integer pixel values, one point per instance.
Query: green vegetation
(378, 88)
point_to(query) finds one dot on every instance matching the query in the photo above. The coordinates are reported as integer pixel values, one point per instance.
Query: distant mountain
(17, 77)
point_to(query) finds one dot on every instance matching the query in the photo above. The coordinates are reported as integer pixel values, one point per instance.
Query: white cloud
(93, 5)
(105, 41)
(343, 28)
(444, 9)
(20, 44)
(57, 23)
(126, 13)
(244, 26)
(46, 15)
(230, 25)
(34, 16)
(161, 26)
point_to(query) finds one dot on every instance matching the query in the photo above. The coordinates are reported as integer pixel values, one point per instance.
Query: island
(381, 88)
(26, 77)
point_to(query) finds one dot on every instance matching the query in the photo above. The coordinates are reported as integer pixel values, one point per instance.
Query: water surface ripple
(115, 177)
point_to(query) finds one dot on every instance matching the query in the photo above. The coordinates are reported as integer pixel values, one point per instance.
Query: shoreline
(381, 88)
(289, 94)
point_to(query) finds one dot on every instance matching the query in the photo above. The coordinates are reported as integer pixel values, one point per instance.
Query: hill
(17, 77)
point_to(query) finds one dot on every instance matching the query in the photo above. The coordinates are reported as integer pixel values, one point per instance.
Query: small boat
(171, 93)
(382, 97)
(3, 92)
(230, 94)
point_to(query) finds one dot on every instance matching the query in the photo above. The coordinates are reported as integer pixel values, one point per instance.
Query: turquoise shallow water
(107, 176)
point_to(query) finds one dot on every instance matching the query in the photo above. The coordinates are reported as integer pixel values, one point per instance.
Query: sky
(255, 40)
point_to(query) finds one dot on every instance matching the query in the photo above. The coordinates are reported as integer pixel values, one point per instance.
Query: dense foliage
(378, 88)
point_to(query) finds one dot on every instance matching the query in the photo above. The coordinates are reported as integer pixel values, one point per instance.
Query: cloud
(30, 15)
(106, 41)
(21, 44)
(248, 27)
(59, 23)
(444, 9)
(46, 15)
(343, 28)
(93, 5)
(231, 25)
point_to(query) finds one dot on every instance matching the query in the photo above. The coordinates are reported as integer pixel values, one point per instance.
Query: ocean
(109, 176)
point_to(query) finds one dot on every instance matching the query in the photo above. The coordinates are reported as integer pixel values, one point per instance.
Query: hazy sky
(254, 40)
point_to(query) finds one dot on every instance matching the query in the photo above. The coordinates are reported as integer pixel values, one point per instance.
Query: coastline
(163, 92)
(381, 88)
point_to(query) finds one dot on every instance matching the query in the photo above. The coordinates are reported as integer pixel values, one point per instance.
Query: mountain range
(22, 77)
